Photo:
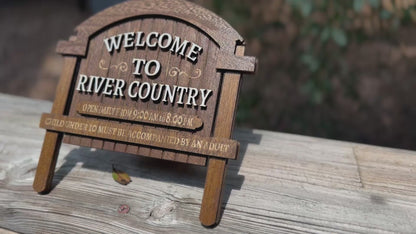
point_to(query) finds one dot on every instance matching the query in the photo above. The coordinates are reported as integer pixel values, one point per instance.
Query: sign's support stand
(212, 199)
(206, 143)
(53, 140)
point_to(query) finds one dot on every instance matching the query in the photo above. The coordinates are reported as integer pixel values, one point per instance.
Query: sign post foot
(47, 162)
(211, 201)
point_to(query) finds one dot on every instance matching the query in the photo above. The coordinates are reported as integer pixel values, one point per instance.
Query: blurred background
(336, 69)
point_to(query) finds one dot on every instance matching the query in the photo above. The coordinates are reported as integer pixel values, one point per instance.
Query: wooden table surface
(280, 183)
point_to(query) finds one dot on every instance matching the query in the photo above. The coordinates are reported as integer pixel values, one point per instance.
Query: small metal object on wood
(154, 78)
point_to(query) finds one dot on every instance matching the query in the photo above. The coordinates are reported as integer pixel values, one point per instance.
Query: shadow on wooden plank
(157, 169)
(234, 181)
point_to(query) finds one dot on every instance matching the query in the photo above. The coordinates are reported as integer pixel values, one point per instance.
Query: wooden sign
(152, 78)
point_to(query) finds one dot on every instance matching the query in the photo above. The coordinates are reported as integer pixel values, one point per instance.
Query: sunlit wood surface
(280, 183)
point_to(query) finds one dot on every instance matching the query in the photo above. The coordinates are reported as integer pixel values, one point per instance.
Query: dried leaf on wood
(121, 177)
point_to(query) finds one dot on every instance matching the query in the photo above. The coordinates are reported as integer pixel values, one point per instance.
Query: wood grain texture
(138, 134)
(175, 71)
(242, 64)
(213, 189)
(211, 201)
(52, 140)
(280, 183)
(178, 17)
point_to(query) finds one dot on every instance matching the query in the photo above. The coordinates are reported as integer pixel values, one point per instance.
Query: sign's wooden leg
(47, 162)
(212, 199)
(53, 140)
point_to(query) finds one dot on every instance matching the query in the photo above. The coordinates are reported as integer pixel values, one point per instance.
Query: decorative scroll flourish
(175, 71)
(123, 67)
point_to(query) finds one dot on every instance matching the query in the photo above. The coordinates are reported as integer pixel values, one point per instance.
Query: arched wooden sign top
(217, 28)
(152, 78)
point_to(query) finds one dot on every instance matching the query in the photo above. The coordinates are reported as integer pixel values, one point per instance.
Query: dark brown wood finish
(171, 27)
(218, 68)
(181, 71)
(98, 110)
(89, 65)
(211, 201)
(52, 141)
(138, 134)
(124, 68)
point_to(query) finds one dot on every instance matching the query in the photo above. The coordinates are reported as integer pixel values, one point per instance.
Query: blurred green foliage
(308, 46)
(328, 33)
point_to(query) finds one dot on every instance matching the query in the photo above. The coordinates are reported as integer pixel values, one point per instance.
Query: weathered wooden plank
(280, 183)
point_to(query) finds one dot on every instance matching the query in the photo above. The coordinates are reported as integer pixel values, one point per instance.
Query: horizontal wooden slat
(231, 62)
(281, 183)
(137, 134)
(71, 48)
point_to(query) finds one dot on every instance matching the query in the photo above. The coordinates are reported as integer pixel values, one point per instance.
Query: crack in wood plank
(357, 163)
